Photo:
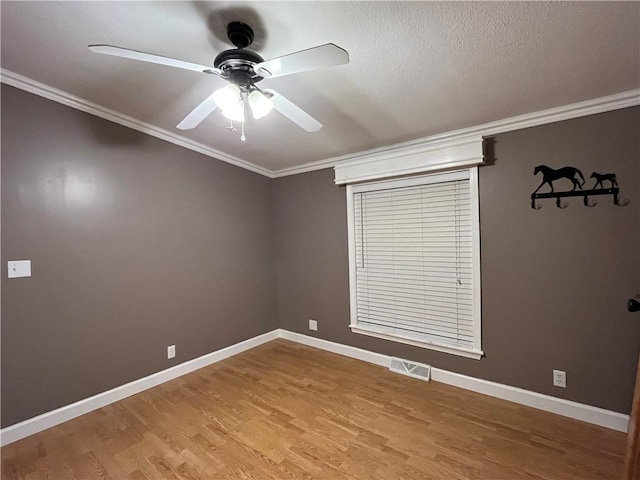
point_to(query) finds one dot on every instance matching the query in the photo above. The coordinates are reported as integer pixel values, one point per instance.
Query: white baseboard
(579, 411)
(560, 406)
(340, 349)
(47, 420)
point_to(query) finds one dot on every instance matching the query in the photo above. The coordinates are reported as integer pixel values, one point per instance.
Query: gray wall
(554, 282)
(135, 243)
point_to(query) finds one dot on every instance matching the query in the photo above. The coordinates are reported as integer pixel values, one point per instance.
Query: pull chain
(231, 128)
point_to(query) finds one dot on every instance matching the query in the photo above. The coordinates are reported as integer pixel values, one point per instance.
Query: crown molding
(630, 98)
(27, 84)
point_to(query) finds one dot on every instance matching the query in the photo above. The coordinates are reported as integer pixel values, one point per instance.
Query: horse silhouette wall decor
(549, 175)
(574, 175)
(604, 177)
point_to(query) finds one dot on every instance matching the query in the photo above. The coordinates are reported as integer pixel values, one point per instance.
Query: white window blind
(415, 261)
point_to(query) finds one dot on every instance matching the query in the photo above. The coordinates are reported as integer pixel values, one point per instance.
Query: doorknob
(633, 305)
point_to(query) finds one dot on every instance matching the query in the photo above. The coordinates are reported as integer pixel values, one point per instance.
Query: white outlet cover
(313, 325)
(559, 379)
(171, 351)
(19, 268)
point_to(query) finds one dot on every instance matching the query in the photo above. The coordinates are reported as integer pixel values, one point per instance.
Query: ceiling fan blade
(198, 114)
(326, 55)
(294, 113)
(148, 57)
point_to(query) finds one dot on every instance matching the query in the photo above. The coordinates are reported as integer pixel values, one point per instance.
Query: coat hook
(549, 175)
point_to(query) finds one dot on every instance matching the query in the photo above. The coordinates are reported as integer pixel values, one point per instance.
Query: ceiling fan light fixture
(228, 97)
(235, 112)
(242, 68)
(260, 104)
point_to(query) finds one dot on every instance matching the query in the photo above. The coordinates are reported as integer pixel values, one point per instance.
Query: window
(414, 253)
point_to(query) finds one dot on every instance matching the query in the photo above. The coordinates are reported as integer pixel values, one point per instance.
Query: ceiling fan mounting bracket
(240, 34)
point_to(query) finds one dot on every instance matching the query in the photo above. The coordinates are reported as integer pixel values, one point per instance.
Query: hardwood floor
(284, 410)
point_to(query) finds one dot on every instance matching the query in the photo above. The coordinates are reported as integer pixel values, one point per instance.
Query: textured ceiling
(417, 68)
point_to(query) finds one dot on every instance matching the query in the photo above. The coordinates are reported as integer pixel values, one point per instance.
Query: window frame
(468, 173)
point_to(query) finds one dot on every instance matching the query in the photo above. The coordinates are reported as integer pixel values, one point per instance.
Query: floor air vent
(411, 369)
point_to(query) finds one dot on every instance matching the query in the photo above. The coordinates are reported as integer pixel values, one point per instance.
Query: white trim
(432, 156)
(630, 98)
(566, 408)
(579, 411)
(617, 101)
(353, 270)
(24, 83)
(475, 245)
(47, 420)
(430, 345)
(429, 179)
(470, 174)
(306, 167)
(339, 348)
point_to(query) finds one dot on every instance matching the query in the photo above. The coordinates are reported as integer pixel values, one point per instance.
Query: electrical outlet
(171, 351)
(313, 325)
(559, 379)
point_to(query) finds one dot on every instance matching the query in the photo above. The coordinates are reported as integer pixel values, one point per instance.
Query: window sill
(462, 352)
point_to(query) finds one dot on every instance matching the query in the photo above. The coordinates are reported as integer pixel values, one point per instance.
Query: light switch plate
(19, 268)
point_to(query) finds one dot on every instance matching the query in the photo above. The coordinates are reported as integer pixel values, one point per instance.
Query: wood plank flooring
(286, 411)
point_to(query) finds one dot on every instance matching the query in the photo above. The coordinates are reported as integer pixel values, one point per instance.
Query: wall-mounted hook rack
(585, 194)
(550, 175)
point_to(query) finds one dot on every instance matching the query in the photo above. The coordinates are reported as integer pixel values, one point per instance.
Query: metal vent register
(411, 369)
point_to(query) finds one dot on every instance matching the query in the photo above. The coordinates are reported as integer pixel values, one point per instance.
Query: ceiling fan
(243, 69)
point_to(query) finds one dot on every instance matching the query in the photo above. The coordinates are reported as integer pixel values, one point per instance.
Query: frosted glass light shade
(235, 112)
(260, 104)
(227, 97)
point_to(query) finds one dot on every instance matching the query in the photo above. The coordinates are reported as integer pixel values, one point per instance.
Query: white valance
(412, 158)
